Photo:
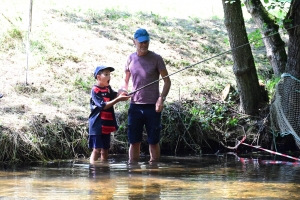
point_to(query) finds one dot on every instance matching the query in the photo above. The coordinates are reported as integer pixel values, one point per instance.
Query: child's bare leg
(104, 154)
(95, 155)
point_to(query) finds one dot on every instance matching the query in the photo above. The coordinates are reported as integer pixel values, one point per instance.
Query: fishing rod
(130, 93)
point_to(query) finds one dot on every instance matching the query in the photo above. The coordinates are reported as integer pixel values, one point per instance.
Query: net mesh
(285, 110)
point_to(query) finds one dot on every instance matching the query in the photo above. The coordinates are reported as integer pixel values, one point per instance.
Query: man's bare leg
(134, 152)
(154, 150)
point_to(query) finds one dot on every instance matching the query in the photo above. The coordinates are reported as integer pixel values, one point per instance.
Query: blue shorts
(140, 115)
(99, 141)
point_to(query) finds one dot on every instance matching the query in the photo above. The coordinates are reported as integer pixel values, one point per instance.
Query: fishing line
(130, 93)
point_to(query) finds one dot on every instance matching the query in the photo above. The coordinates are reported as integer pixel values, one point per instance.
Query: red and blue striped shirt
(102, 121)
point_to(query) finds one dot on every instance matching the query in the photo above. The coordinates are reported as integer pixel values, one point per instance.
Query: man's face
(141, 47)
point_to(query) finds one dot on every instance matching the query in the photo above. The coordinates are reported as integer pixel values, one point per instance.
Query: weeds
(26, 89)
(271, 86)
(15, 34)
(158, 20)
(114, 14)
(187, 127)
(83, 84)
(42, 141)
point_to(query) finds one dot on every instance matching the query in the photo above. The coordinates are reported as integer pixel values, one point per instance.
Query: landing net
(285, 110)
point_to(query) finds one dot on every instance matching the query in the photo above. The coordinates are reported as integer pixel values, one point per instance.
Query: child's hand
(123, 96)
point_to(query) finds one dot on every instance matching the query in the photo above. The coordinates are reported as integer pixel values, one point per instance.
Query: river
(224, 176)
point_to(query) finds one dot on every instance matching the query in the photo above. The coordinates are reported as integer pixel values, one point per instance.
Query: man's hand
(159, 104)
(122, 90)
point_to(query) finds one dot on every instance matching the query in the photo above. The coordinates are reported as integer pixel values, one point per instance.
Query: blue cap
(101, 67)
(141, 35)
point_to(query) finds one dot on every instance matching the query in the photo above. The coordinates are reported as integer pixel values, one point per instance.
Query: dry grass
(69, 38)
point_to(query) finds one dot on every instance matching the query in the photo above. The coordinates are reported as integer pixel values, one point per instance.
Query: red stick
(273, 152)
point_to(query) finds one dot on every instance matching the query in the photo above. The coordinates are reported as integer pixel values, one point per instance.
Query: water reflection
(206, 177)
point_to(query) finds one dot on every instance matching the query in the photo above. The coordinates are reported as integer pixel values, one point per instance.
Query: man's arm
(167, 83)
(124, 86)
(165, 90)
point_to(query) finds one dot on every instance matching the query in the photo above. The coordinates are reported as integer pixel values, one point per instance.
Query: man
(145, 67)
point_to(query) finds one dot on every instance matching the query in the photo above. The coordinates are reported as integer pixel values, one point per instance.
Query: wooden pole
(28, 38)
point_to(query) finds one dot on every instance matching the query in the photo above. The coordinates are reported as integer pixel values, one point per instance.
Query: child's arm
(122, 97)
(97, 99)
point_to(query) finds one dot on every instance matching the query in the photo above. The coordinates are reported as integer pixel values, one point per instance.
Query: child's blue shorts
(140, 115)
(99, 141)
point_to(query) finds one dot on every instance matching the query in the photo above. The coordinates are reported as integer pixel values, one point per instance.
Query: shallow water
(205, 177)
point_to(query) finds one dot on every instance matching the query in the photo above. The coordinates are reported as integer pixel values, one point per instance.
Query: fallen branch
(236, 146)
(238, 142)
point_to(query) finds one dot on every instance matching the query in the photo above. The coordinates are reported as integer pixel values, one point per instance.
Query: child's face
(103, 78)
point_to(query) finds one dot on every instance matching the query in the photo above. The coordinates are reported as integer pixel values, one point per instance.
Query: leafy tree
(244, 67)
(285, 107)
(275, 46)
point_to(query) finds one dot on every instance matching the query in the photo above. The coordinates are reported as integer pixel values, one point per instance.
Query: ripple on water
(207, 177)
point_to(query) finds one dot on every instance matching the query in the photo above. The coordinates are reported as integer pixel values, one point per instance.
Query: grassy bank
(47, 117)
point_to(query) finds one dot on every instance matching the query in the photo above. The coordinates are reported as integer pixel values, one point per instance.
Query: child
(102, 120)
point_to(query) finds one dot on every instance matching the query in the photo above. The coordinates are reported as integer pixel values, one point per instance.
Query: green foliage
(84, 84)
(157, 19)
(115, 14)
(216, 113)
(37, 45)
(188, 123)
(279, 9)
(226, 41)
(208, 48)
(232, 122)
(195, 19)
(60, 57)
(255, 38)
(15, 33)
(273, 4)
(271, 86)
(215, 17)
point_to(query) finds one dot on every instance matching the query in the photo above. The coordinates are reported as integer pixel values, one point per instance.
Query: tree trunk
(244, 68)
(285, 110)
(275, 47)
(293, 63)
